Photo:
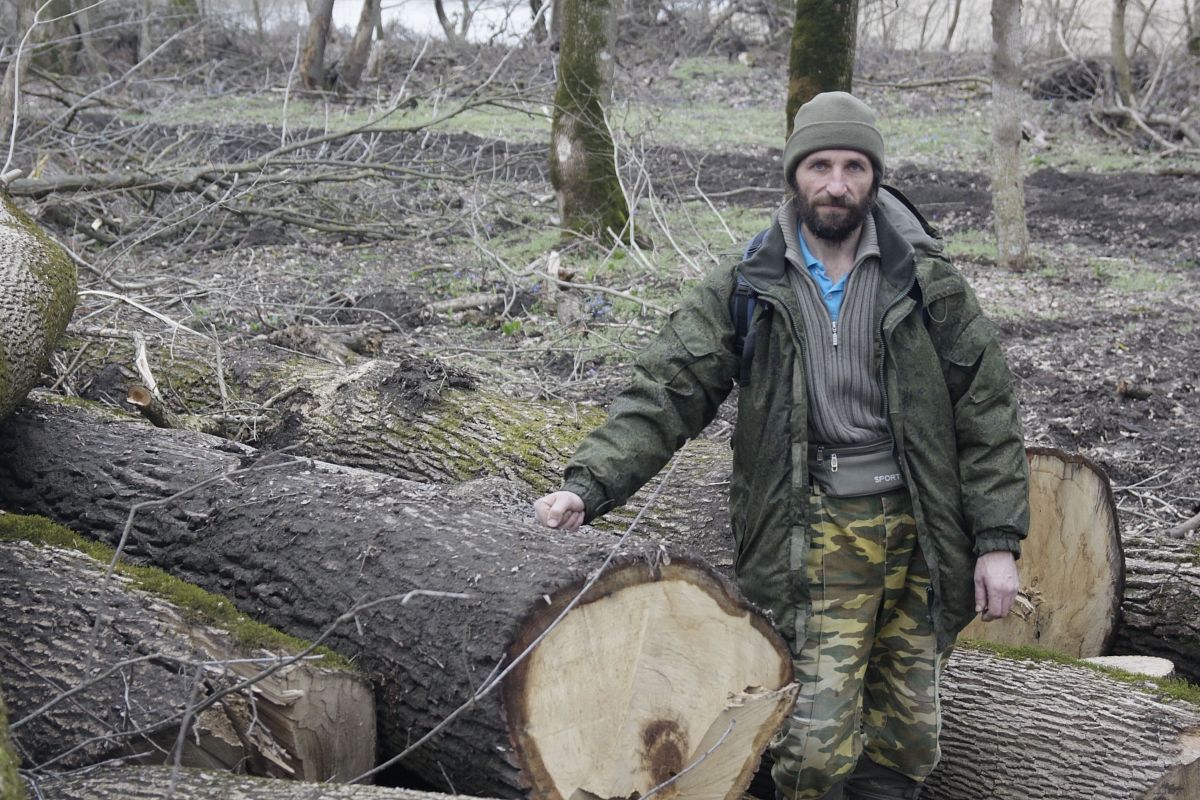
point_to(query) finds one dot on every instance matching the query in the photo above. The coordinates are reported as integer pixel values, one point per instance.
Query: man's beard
(839, 227)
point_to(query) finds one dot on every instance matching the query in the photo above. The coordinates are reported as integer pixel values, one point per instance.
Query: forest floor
(1102, 332)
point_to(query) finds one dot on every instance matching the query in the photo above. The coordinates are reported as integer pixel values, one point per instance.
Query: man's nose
(837, 185)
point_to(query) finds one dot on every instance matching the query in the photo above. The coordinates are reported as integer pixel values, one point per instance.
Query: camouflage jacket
(948, 396)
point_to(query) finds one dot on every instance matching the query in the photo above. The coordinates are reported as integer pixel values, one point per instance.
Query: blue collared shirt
(832, 293)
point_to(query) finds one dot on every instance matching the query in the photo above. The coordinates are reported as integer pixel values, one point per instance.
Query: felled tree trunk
(155, 783)
(624, 692)
(82, 693)
(37, 295)
(1016, 728)
(420, 421)
(1161, 612)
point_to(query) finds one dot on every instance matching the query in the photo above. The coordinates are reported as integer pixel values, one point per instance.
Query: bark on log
(1161, 612)
(155, 783)
(296, 547)
(37, 295)
(157, 666)
(1025, 729)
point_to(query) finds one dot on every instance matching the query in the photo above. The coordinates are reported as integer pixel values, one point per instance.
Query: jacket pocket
(976, 367)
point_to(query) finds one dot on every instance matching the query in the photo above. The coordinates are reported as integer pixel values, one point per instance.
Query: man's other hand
(996, 584)
(561, 510)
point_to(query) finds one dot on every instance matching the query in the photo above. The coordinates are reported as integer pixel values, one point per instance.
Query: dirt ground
(1103, 333)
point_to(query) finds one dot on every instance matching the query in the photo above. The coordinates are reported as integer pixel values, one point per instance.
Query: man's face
(834, 192)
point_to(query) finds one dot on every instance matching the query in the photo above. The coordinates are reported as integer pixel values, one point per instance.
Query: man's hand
(996, 584)
(562, 510)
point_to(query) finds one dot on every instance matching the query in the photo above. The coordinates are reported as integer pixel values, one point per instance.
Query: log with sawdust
(82, 692)
(1016, 728)
(37, 295)
(155, 783)
(658, 663)
(418, 420)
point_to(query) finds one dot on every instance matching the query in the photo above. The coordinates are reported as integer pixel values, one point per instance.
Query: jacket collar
(903, 237)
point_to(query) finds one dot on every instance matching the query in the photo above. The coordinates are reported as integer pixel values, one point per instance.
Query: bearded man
(879, 491)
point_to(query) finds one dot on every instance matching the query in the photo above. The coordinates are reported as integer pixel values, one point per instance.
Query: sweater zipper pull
(834, 323)
(833, 462)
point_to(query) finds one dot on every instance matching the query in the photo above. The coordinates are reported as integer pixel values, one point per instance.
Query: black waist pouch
(854, 470)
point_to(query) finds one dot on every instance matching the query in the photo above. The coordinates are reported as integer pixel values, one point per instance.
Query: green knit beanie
(832, 121)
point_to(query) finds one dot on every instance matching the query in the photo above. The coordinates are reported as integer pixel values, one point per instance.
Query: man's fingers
(560, 509)
(980, 594)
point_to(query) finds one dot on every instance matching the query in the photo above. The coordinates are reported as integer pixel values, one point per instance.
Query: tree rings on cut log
(1072, 567)
(658, 662)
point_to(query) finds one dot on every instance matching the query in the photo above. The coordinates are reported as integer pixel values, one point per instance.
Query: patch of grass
(1127, 276)
(972, 245)
(197, 603)
(703, 126)
(961, 138)
(1172, 688)
(512, 124)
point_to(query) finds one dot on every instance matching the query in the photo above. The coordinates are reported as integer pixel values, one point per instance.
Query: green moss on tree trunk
(11, 787)
(38, 282)
(205, 607)
(822, 53)
(582, 164)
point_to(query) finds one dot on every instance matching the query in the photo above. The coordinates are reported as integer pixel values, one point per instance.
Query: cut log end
(1072, 568)
(665, 666)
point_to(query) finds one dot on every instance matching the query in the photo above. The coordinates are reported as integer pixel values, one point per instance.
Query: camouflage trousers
(869, 667)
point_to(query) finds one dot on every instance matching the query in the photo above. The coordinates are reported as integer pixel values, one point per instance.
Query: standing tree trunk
(1120, 56)
(556, 24)
(312, 62)
(539, 10)
(360, 47)
(447, 24)
(1008, 182)
(582, 162)
(822, 52)
(953, 26)
(1193, 28)
(14, 75)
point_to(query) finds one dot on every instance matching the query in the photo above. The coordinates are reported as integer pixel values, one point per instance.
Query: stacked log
(96, 669)
(155, 783)
(654, 659)
(419, 421)
(1024, 728)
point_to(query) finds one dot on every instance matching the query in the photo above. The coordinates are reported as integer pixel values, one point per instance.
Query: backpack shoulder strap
(742, 303)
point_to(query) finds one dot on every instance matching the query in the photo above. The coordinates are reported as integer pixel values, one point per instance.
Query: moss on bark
(11, 787)
(822, 52)
(205, 607)
(582, 163)
(37, 297)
